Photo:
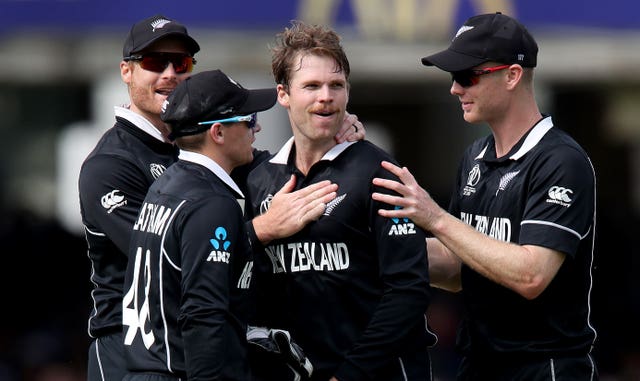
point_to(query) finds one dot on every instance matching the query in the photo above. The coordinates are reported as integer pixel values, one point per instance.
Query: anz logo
(402, 226)
(220, 246)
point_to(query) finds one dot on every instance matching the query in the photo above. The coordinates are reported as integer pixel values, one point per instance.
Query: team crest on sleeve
(402, 226)
(220, 245)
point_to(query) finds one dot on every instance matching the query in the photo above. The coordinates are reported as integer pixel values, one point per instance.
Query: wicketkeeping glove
(277, 343)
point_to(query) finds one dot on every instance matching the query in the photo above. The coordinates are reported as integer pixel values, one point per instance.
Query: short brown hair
(306, 39)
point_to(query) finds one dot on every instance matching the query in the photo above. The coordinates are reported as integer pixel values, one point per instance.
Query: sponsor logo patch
(220, 246)
(560, 195)
(402, 226)
(113, 200)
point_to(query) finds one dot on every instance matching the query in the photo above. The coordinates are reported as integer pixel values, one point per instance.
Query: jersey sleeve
(402, 260)
(210, 239)
(560, 205)
(111, 190)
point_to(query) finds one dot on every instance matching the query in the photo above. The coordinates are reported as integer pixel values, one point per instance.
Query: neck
(308, 153)
(513, 123)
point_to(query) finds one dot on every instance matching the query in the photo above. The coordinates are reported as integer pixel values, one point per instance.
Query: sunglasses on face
(251, 120)
(468, 78)
(159, 61)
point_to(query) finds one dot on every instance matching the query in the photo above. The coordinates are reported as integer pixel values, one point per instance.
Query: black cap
(489, 37)
(145, 32)
(211, 95)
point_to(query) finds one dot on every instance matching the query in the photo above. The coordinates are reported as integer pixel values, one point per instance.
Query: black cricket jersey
(187, 285)
(113, 181)
(351, 287)
(541, 193)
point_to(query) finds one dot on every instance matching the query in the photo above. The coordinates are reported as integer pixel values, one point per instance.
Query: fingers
(317, 189)
(313, 212)
(352, 130)
(389, 184)
(402, 173)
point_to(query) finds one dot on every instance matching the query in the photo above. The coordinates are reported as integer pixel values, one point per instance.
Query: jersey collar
(214, 167)
(283, 155)
(139, 121)
(530, 140)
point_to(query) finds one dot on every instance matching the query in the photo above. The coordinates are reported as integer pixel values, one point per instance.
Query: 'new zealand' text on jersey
(542, 193)
(351, 287)
(186, 298)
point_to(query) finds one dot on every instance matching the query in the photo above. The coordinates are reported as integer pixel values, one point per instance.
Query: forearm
(444, 266)
(263, 230)
(526, 270)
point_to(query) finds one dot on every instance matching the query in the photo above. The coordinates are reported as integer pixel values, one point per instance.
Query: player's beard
(146, 100)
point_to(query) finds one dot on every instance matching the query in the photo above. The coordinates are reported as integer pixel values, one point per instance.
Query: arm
(212, 300)
(111, 191)
(291, 211)
(525, 269)
(444, 266)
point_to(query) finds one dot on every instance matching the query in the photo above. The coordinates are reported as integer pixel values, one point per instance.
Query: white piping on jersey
(536, 134)
(283, 155)
(99, 359)
(140, 121)
(404, 372)
(593, 367)
(533, 222)
(94, 233)
(593, 244)
(163, 254)
(553, 369)
(214, 167)
(93, 273)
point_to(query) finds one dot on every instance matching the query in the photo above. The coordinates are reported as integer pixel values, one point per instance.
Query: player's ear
(126, 71)
(216, 133)
(283, 95)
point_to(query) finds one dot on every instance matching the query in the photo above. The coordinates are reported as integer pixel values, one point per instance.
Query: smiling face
(487, 99)
(316, 99)
(148, 89)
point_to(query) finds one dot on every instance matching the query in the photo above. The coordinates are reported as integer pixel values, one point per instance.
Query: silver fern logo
(159, 24)
(333, 204)
(505, 180)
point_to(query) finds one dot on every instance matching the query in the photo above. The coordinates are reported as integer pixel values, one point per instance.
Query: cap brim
(258, 100)
(451, 61)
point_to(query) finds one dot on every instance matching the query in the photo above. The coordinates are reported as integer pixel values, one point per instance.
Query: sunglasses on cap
(251, 120)
(159, 61)
(468, 78)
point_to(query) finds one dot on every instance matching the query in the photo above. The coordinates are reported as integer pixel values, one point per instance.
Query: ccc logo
(560, 194)
(111, 199)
